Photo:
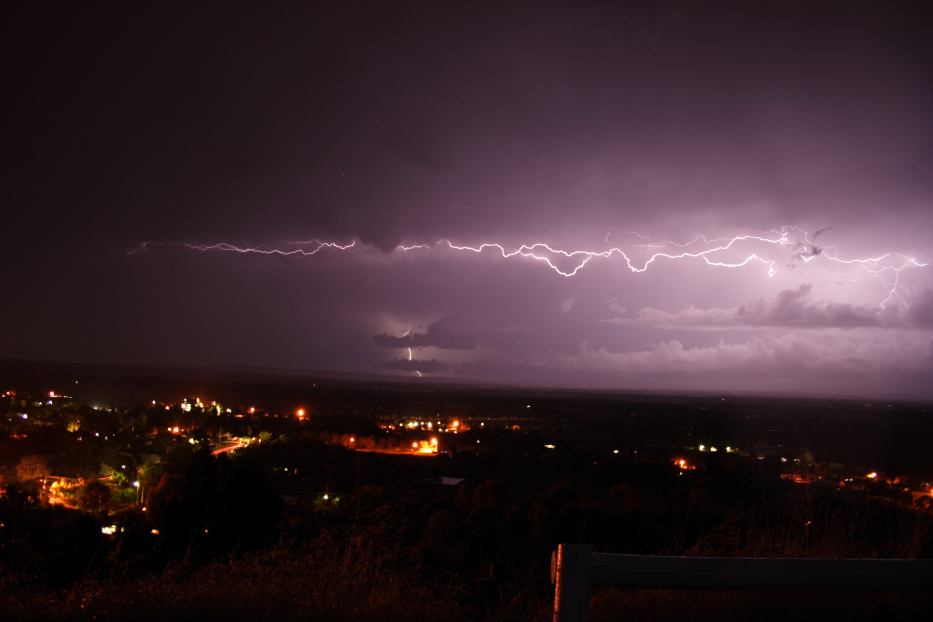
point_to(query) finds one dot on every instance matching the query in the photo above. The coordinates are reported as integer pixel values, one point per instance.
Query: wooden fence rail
(575, 568)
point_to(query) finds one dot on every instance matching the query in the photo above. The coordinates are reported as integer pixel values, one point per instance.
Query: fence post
(570, 572)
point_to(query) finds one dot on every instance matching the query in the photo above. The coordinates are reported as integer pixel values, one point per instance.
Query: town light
(683, 465)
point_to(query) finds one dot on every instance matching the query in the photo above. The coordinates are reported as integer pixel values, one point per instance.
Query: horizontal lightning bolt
(699, 248)
(316, 247)
(583, 257)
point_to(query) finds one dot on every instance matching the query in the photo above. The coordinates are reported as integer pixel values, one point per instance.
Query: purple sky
(565, 123)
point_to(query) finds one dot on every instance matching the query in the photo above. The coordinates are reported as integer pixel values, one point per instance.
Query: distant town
(107, 458)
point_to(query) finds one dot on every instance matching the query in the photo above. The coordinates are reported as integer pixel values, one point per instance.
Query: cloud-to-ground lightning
(713, 252)
(411, 356)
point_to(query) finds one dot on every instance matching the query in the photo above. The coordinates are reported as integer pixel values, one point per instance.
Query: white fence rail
(575, 568)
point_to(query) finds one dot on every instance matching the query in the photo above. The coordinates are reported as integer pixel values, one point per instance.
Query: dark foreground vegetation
(402, 546)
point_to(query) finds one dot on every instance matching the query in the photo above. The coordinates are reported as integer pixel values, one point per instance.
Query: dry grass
(322, 581)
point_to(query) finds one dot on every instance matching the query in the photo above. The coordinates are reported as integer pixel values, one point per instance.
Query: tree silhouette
(31, 468)
(96, 498)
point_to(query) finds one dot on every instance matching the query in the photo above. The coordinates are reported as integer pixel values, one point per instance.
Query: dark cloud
(921, 311)
(419, 120)
(447, 333)
(791, 308)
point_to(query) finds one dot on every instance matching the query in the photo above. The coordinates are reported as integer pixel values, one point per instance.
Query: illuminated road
(398, 452)
(228, 448)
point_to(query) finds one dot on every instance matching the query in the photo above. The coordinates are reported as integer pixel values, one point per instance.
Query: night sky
(139, 136)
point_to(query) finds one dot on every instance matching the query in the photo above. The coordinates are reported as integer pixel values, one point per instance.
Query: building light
(683, 465)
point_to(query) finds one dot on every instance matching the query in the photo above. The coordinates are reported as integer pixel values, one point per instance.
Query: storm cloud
(565, 124)
(791, 308)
